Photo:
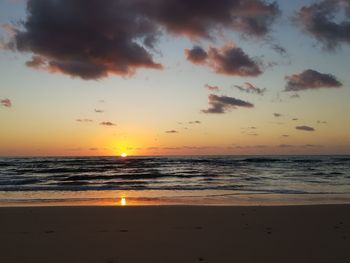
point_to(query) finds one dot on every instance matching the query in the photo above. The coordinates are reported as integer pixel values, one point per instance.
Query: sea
(175, 180)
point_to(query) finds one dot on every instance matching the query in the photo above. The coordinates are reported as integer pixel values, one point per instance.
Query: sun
(123, 155)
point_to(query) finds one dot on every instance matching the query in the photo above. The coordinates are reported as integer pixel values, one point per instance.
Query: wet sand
(175, 234)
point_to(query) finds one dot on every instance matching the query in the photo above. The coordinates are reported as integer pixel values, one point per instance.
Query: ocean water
(174, 180)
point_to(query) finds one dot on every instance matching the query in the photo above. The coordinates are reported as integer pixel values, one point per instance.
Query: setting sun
(123, 155)
(123, 201)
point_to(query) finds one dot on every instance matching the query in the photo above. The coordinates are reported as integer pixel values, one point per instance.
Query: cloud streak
(107, 123)
(221, 104)
(311, 79)
(305, 128)
(171, 131)
(84, 120)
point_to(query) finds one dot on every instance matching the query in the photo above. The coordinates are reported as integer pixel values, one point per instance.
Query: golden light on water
(123, 201)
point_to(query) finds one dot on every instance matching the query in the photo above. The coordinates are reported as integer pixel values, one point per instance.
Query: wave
(262, 173)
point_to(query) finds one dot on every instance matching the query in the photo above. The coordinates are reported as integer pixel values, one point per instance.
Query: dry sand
(175, 234)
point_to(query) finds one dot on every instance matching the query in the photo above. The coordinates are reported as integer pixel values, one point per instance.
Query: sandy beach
(175, 234)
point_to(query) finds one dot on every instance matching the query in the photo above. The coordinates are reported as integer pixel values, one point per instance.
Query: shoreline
(165, 198)
(106, 234)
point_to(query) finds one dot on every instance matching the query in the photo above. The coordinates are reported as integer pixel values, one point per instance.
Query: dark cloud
(295, 119)
(212, 88)
(99, 111)
(87, 40)
(194, 122)
(285, 135)
(94, 39)
(199, 18)
(321, 20)
(84, 120)
(220, 104)
(311, 79)
(171, 131)
(252, 134)
(230, 60)
(304, 128)
(277, 115)
(196, 55)
(322, 122)
(107, 123)
(6, 103)
(250, 88)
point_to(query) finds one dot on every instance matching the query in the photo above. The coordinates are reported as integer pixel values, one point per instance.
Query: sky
(174, 77)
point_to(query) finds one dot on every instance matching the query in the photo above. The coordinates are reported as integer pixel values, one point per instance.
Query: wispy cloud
(99, 111)
(212, 88)
(6, 103)
(250, 88)
(84, 120)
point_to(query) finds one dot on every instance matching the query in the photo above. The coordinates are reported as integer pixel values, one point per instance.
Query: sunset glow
(259, 86)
